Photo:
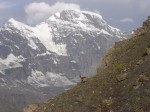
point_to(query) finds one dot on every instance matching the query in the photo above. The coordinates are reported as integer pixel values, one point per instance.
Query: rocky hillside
(120, 85)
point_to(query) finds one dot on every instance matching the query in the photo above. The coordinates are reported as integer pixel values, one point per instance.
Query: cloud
(127, 20)
(38, 12)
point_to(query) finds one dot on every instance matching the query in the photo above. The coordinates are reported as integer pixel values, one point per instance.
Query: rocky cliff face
(50, 56)
(120, 85)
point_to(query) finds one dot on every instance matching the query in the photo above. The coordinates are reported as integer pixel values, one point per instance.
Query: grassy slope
(121, 84)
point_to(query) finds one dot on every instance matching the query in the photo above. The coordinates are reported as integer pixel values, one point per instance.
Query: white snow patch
(2, 72)
(32, 45)
(82, 25)
(87, 12)
(94, 14)
(3, 79)
(120, 37)
(99, 47)
(17, 46)
(55, 62)
(44, 34)
(86, 27)
(114, 29)
(57, 14)
(52, 18)
(25, 30)
(75, 40)
(73, 61)
(105, 32)
(15, 23)
(39, 79)
(43, 54)
(10, 62)
(4, 83)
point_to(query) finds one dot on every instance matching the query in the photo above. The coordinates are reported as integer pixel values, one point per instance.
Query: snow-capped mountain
(55, 52)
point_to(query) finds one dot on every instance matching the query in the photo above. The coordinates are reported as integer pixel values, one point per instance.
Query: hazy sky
(123, 14)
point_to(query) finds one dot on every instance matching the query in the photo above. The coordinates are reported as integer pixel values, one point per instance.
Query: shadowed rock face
(121, 83)
(51, 56)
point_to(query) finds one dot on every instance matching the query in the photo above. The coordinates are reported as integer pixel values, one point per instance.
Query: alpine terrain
(121, 83)
(39, 62)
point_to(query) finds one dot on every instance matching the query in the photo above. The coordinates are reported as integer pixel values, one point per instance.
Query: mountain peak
(77, 12)
(15, 24)
(82, 19)
(93, 14)
(82, 15)
(75, 15)
(12, 20)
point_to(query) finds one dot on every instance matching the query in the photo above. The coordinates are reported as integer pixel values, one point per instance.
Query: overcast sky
(123, 14)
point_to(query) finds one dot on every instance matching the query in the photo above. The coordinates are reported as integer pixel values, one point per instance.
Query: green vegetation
(121, 84)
